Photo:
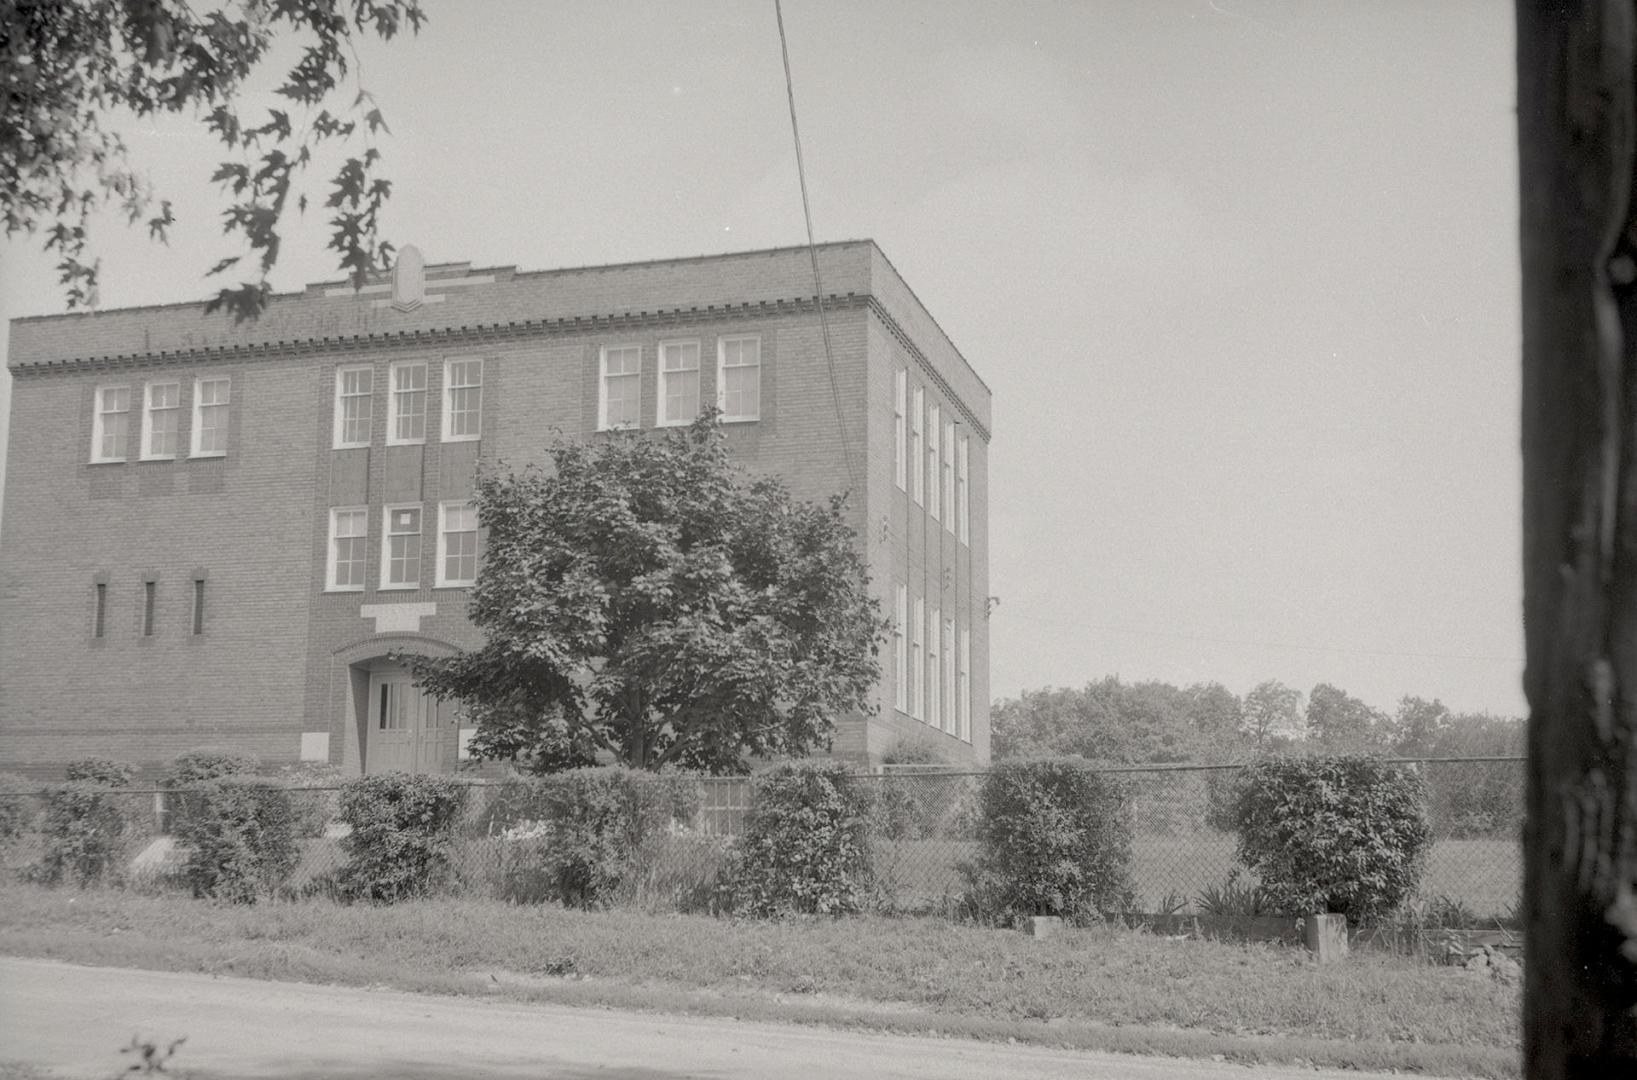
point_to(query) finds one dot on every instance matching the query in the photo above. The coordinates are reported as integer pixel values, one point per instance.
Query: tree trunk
(1577, 142)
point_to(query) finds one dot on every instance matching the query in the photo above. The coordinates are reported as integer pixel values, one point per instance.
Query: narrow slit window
(99, 620)
(900, 656)
(198, 606)
(150, 591)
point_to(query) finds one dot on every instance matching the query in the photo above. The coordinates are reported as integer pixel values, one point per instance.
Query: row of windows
(932, 659)
(161, 420)
(401, 531)
(407, 403)
(738, 382)
(149, 624)
(931, 459)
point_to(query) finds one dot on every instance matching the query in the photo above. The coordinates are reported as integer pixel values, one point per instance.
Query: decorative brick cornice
(463, 336)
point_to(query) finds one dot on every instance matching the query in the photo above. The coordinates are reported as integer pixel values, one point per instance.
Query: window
(963, 695)
(619, 403)
(408, 405)
(739, 378)
(110, 426)
(99, 616)
(161, 416)
(917, 441)
(354, 406)
(394, 707)
(198, 606)
(917, 681)
(150, 598)
(948, 463)
(900, 652)
(462, 400)
(932, 463)
(678, 382)
(401, 558)
(949, 676)
(961, 496)
(900, 405)
(349, 535)
(933, 683)
(457, 543)
(210, 401)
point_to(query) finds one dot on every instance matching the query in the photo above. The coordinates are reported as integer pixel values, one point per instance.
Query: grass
(1104, 988)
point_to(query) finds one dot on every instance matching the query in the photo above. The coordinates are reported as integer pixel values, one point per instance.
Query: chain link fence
(925, 825)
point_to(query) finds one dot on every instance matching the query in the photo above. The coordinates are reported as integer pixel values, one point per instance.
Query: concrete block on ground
(1325, 937)
(1042, 925)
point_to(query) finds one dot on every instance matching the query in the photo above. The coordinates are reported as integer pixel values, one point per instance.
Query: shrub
(1054, 838)
(104, 771)
(240, 834)
(208, 763)
(1344, 834)
(16, 805)
(314, 794)
(402, 827)
(806, 844)
(83, 833)
(591, 830)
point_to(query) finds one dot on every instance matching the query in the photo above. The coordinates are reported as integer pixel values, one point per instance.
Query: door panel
(408, 731)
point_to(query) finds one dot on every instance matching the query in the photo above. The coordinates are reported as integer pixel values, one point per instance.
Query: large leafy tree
(647, 599)
(1273, 715)
(1115, 721)
(1341, 722)
(71, 72)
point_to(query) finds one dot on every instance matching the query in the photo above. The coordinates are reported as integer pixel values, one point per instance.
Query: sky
(1242, 276)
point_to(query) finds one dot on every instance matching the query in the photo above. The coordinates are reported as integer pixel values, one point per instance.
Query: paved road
(72, 1019)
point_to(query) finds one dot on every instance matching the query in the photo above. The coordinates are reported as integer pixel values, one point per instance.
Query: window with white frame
(739, 378)
(619, 401)
(349, 539)
(917, 428)
(401, 550)
(462, 400)
(934, 684)
(354, 405)
(917, 648)
(111, 423)
(457, 543)
(932, 507)
(900, 405)
(949, 676)
(678, 382)
(963, 693)
(962, 487)
(408, 405)
(900, 651)
(161, 420)
(947, 459)
(210, 405)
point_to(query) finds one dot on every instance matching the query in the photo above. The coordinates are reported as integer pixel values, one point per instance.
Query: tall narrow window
(963, 693)
(198, 606)
(111, 423)
(949, 676)
(161, 412)
(150, 597)
(99, 617)
(354, 406)
(932, 506)
(678, 382)
(900, 405)
(462, 400)
(408, 404)
(210, 405)
(962, 489)
(934, 684)
(917, 648)
(457, 543)
(619, 402)
(917, 428)
(900, 651)
(739, 378)
(947, 463)
(349, 535)
(401, 561)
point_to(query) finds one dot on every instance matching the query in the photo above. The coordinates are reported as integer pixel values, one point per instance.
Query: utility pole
(1577, 150)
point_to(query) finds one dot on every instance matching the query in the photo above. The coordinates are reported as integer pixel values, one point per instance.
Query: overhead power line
(812, 251)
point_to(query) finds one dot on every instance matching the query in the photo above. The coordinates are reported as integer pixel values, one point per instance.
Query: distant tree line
(1151, 722)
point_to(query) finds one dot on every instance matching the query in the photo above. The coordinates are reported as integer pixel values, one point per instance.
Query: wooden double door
(408, 731)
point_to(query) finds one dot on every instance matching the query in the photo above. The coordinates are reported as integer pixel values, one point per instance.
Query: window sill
(463, 438)
(674, 423)
(406, 442)
(454, 584)
(107, 461)
(351, 446)
(411, 587)
(344, 589)
(157, 457)
(739, 419)
(214, 455)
